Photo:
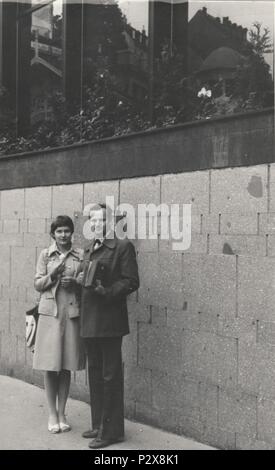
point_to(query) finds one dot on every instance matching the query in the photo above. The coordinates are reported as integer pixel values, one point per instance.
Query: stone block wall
(200, 357)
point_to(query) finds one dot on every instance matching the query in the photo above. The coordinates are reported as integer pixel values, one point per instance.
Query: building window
(73, 72)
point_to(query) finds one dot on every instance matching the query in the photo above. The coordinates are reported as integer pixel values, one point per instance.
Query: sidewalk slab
(23, 418)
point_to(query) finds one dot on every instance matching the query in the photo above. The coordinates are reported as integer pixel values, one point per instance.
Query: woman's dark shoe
(90, 434)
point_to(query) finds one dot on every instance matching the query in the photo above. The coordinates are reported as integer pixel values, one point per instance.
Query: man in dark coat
(104, 322)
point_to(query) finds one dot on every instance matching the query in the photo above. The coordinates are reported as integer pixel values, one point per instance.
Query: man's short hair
(101, 206)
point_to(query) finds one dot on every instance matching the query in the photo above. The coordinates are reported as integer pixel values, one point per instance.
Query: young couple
(78, 320)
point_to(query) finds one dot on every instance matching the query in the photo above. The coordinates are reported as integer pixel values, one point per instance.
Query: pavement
(23, 418)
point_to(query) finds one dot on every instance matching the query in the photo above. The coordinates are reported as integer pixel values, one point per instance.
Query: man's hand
(100, 290)
(67, 282)
(80, 278)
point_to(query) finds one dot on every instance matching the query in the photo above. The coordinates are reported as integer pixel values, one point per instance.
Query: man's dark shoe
(90, 434)
(100, 443)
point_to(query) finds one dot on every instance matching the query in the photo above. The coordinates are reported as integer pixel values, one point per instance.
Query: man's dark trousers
(106, 386)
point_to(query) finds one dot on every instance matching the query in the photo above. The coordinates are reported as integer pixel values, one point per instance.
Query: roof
(222, 58)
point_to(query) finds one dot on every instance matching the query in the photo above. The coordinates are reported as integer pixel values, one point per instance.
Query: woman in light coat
(58, 346)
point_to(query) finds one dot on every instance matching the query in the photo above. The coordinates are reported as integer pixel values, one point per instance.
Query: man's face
(98, 223)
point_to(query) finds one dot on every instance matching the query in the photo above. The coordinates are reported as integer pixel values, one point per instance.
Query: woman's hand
(57, 270)
(67, 282)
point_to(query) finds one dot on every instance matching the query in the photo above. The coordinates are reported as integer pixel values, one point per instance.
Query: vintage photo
(137, 227)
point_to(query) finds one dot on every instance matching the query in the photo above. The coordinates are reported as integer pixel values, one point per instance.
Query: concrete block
(143, 413)
(147, 246)
(67, 199)
(267, 223)
(242, 190)
(137, 384)
(22, 266)
(183, 319)
(247, 443)
(10, 292)
(238, 412)
(29, 374)
(209, 357)
(32, 296)
(161, 390)
(39, 240)
(266, 420)
(219, 438)
(197, 223)
(272, 195)
(38, 202)
(210, 223)
(256, 372)
(197, 401)
(190, 427)
(235, 327)
(159, 348)
(256, 288)
(175, 413)
(208, 399)
(187, 188)
(38, 378)
(12, 204)
(10, 226)
(138, 312)
(184, 392)
(198, 244)
(272, 187)
(160, 277)
(209, 283)
(4, 315)
(5, 265)
(140, 191)
(12, 239)
(23, 225)
(238, 224)
(21, 351)
(173, 419)
(270, 241)
(17, 317)
(130, 409)
(97, 192)
(159, 316)
(245, 245)
(266, 332)
(8, 350)
(22, 294)
(29, 359)
(208, 322)
(37, 226)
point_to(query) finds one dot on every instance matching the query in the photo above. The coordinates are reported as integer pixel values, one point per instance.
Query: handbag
(32, 317)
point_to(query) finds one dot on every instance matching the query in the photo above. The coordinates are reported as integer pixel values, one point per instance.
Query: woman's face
(63, 236)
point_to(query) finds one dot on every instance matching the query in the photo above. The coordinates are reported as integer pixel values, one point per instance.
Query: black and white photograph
(137, 228)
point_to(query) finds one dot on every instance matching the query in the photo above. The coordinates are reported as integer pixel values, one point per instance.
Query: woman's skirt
(58, 344)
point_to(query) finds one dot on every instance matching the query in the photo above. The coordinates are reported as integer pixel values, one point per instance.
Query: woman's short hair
(62, 221)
